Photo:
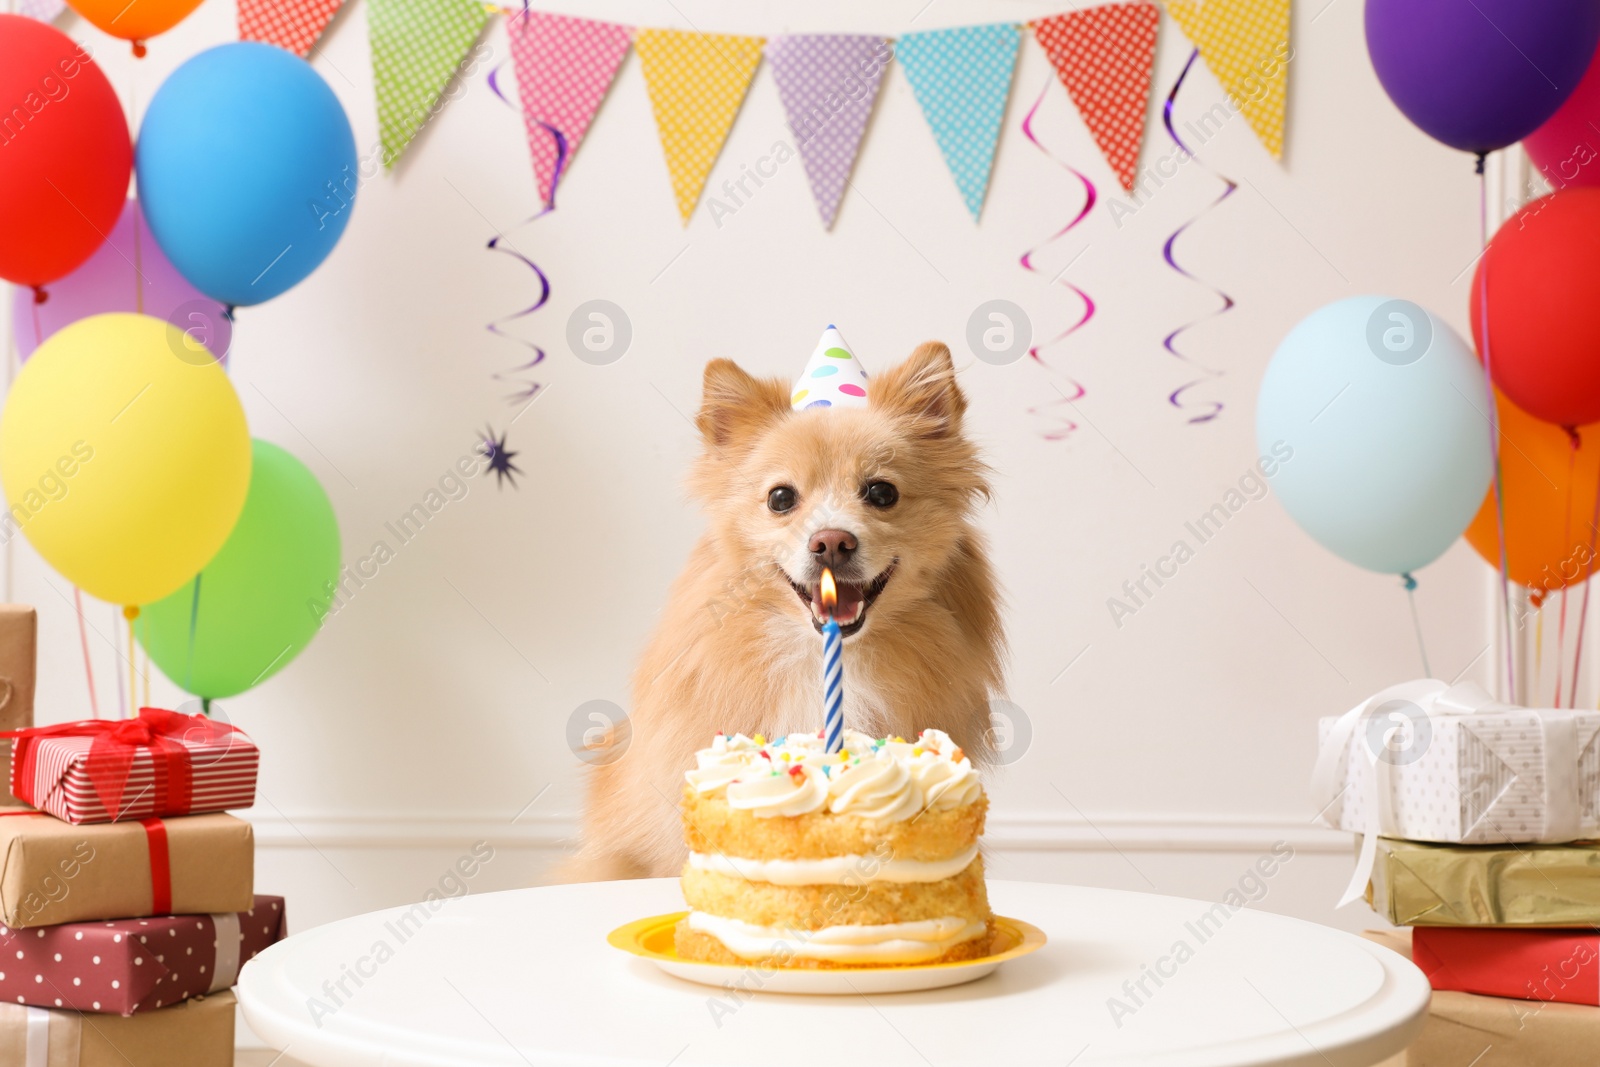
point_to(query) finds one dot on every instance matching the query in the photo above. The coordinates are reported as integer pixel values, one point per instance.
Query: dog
(884, 496)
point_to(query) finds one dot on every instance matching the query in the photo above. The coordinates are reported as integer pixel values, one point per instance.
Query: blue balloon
(1379, 416)
(247, 171)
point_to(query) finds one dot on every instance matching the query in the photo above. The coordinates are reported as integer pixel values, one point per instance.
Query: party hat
(833, 378)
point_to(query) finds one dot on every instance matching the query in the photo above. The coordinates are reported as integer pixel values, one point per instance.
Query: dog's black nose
(833, 548)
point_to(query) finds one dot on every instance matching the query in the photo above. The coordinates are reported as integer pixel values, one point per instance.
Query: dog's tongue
(850, 597)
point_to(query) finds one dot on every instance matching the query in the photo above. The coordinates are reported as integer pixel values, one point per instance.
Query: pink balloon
(1567, 147)
(126, 273)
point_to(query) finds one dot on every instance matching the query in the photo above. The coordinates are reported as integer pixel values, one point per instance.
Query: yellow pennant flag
(696, 82)
(1246, 45)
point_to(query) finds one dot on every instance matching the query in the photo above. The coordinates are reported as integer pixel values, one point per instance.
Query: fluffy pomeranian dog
(885, 497)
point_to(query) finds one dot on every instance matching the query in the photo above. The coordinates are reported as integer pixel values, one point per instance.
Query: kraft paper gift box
(195, 1033)
(53, 872)
(1419, 884)
(159, 764)
(134, 965)
(1430, 762)
(1466, 1030)
(19, 629)
(1561, 965)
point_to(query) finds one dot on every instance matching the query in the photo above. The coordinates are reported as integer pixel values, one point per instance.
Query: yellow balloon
(125, 461)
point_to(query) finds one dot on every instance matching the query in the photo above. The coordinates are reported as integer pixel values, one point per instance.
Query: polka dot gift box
(833, 378)
(134, 965)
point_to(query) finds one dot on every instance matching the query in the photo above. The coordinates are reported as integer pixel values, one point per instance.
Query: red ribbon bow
(116, 743)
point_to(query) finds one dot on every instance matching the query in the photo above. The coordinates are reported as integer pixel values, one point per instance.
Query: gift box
(1561, 965)
(1466, 1030)
(53, 872)
(1419, 884)
(196, 1033)
(1431, 762)
(160, 764)
(19, 628)
(135, 965)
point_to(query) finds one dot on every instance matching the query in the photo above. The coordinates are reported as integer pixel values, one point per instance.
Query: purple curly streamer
(1065, 426)
(1169, 342)
(526, 388)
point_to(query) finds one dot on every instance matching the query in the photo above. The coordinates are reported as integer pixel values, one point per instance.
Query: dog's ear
(735, 404)
(924, 389)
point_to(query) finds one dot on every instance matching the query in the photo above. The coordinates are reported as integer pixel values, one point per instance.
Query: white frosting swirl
(887, 779)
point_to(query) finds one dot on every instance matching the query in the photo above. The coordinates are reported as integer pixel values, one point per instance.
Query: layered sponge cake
(862, 858)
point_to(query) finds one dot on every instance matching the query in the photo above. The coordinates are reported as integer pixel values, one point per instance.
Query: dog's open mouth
(854, 600)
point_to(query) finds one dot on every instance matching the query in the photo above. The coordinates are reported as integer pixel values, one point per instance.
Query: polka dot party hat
(833, 377)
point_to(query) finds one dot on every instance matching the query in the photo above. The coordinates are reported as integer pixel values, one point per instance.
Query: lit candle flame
(830, 593)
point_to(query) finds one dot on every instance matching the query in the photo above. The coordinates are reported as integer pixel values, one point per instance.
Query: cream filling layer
(834, 870)
(910, 942)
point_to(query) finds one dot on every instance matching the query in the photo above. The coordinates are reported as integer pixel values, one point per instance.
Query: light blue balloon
(1381, 409)
(247, 171)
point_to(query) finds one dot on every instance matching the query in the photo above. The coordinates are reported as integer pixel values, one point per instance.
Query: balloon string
(525, 388)
(1566, 539)
(138, 260)
(1494, 427)
(1538, 656)
(122, 702)
(194, 622)
(1230, 187)
(83, 639)
(1583, 610)
(130, 614)
(1064, 425)
(1416, 621)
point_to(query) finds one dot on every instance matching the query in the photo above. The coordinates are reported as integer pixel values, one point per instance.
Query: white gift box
(1432, 762)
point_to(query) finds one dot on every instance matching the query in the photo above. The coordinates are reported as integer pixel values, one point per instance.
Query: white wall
(1166, 752)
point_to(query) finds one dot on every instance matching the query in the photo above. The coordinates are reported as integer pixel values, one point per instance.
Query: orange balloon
(1549, 502)
(136, 22)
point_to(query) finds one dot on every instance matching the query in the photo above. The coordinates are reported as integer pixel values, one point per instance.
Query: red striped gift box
(161, 764)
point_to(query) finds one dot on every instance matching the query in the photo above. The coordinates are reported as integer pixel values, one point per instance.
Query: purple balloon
(1481, 74)
(126, 273)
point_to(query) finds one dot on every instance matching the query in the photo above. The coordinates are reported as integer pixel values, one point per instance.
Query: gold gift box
(1527, 885)
(195, 1033)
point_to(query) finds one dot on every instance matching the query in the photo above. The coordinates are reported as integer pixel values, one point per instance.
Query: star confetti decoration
(499, 458)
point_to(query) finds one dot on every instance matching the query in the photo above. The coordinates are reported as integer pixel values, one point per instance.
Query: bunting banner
(1104, 57)
(828, 84)
(961, 78)
(43, 10)
(696, 82)
(564, 68)
(1245, 43)
(293, 25)
(417, 46)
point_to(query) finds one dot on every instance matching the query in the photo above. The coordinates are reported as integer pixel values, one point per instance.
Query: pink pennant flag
(1104, 56)
(564, 67)
(293, 25)
(828, 83)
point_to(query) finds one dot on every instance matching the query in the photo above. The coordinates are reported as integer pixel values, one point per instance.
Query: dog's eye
(780, 499)
(881, 494)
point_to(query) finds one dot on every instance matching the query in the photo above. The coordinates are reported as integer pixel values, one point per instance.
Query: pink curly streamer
(1170, 341)
(1064, 425)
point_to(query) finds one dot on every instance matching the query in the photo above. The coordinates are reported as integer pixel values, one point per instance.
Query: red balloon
(65, 153)
(1567, 147)
(1541, 273)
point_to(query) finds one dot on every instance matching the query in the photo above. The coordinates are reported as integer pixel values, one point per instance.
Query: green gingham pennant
(417, 46)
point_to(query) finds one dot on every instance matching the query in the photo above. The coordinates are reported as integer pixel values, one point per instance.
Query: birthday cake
(865, 857)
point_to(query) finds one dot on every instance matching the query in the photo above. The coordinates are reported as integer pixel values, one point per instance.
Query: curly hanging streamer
(1064, 425)
(1170, 343)
(524, 387)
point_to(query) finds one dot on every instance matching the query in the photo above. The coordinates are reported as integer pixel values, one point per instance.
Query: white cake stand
(526, 978)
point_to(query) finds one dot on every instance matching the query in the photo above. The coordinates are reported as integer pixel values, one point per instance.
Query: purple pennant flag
(828, 83)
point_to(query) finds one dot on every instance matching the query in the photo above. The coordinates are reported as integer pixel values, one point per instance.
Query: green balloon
(255, 608)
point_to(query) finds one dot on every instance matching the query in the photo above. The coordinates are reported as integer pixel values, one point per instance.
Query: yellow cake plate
(652, 939)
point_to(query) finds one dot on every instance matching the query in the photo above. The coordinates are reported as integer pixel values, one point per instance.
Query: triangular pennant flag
(416, 47)
(564, 67)
(696, 83)
(961, 78)
(43, 10)
(828, 83)
(293, 25)
(1104, 56)
(1246, 45)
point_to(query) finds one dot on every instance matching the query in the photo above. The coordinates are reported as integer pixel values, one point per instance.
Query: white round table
(526, 978)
